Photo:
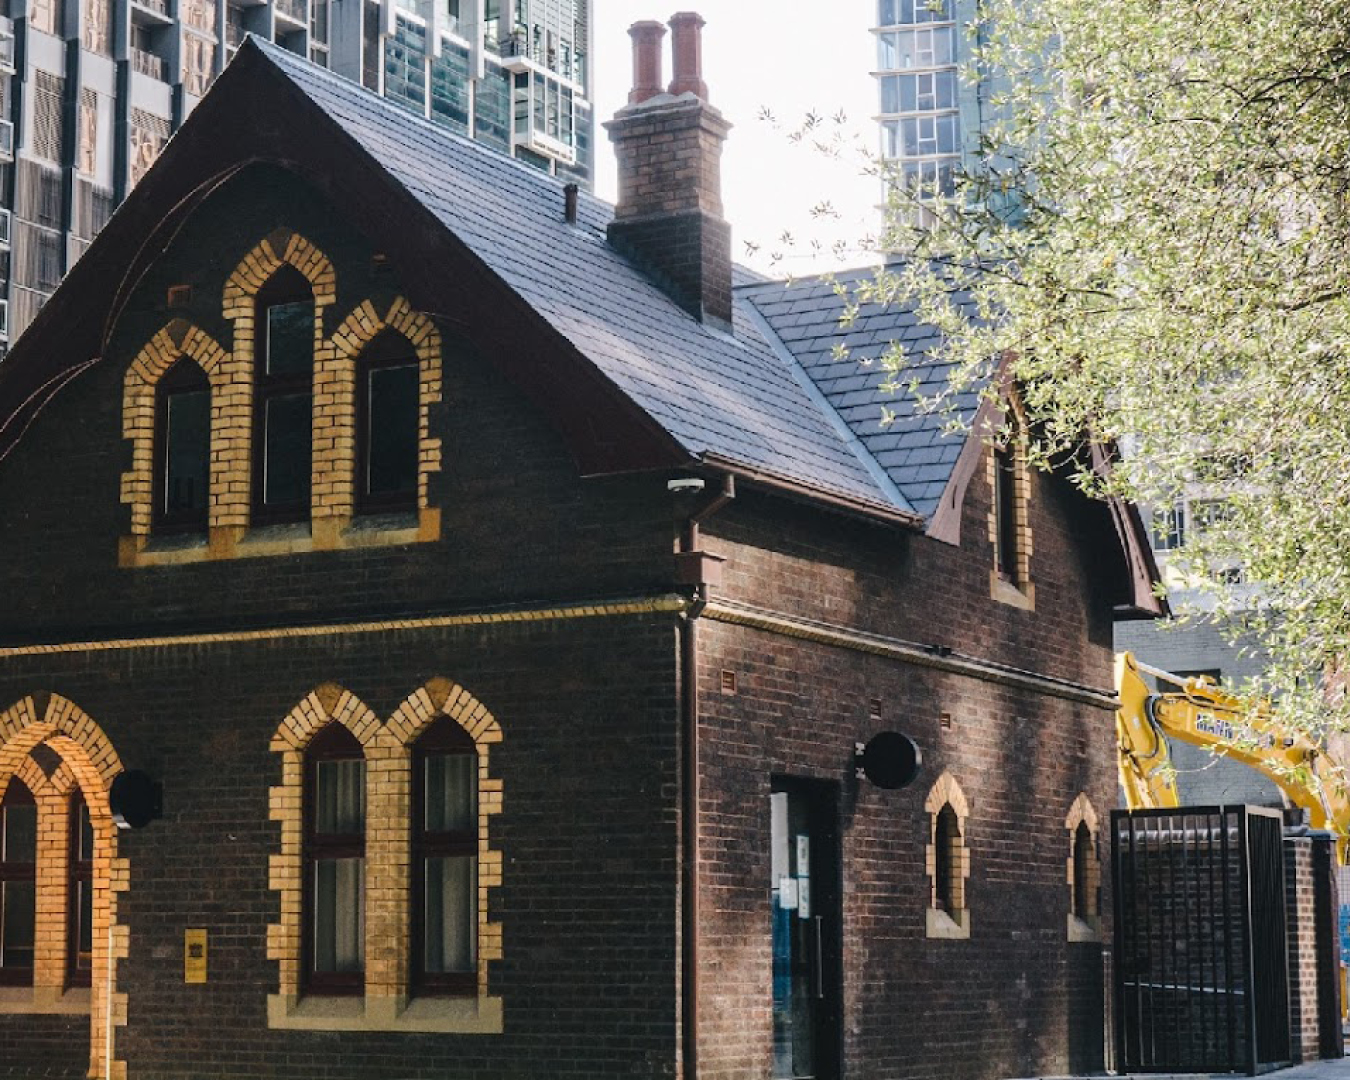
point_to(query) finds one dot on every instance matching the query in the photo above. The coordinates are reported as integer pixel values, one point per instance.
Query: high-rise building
(90, 91)
(931, 110)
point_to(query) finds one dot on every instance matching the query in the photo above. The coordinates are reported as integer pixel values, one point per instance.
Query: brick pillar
(1301, 930)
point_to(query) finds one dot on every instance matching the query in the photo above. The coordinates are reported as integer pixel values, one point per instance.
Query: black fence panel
(1201, 979)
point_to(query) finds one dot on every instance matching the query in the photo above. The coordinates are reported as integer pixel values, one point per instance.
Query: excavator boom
(1203, 714)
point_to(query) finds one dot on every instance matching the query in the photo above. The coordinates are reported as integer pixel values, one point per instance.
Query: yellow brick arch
(442, 697)
(280, 248)
(324, 705)
(335, 427)
(232, 397)
(945, 790)
(89, 761)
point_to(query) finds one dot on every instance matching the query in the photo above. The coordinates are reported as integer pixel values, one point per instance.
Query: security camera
(684, 485)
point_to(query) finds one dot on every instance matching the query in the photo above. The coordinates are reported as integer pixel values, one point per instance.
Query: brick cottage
(498, 585)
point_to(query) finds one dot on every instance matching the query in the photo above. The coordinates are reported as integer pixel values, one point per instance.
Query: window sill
(1005, 592)
(952, 927)
(44, 999)
(325, 534)
(455, 1015)
(1087, 930)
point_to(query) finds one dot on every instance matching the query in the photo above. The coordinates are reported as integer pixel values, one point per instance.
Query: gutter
(849, 504)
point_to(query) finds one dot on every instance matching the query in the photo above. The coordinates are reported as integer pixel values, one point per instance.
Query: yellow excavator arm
(1202, 714)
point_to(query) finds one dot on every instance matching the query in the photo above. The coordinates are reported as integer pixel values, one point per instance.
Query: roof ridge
(845, 431)
(282, 58)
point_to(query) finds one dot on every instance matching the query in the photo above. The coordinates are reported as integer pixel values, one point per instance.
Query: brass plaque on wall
(194, 956)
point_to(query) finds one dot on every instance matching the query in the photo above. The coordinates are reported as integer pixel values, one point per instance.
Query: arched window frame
(16, 871)
(333, 744)
(443, 738)
(388, 352)
(1083, 872)
(79, 892)
(286, 287)
(185, 378)
(1010, 536)
(391, 999)
(948, 860)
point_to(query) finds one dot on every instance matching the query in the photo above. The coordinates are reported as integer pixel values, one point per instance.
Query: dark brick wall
(1016, 999)
(518, 524)
(589, 712)
(587, 834)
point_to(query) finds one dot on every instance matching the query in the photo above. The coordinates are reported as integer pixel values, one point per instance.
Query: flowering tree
(1158, 234)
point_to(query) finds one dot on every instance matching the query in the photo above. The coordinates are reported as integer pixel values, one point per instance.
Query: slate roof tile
(728, 395)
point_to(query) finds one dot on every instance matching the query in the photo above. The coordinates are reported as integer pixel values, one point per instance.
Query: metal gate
(1201, 969)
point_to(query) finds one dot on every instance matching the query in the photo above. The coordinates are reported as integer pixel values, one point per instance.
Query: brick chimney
(669, 149)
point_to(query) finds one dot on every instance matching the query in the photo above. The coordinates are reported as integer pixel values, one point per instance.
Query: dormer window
(1009, 524)
(283, 399)
(183, 436)
(388, 390)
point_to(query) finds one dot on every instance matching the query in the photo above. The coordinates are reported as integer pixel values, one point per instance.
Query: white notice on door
(803, 855)
(803, 898)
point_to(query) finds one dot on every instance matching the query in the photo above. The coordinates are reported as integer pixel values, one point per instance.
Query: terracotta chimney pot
(686, 29)
(646, 37)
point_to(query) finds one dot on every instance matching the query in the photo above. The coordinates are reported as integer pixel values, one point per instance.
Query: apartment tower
(91, 90)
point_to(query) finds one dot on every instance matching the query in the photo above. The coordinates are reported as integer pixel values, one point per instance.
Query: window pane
(392, 435)
(287, 462)
(340, 797)
(890, 94)
(19, 842)
(187, 451)
(451, 914)
(337, 914)
(290, 338)
(451, 787)
(886, 54)
(85, 852)
(16, 924)
(84, 898)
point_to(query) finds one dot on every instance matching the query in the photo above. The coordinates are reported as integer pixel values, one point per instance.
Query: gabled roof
(633, 381)
(916, 452)
(722, 396)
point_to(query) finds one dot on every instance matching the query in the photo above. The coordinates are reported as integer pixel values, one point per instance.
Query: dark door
(806, 930)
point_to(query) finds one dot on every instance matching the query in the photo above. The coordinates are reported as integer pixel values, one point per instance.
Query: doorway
(805, 899)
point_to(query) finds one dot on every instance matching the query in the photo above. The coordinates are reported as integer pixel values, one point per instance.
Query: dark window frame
(1084, 850)
(17, 793)
(286, 286)
(333, 743)
(946, 844)
(78, 871)
(387, 351)
(184, 377)
(1006, 546)
(443, 737)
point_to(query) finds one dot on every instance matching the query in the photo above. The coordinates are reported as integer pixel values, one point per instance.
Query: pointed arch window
(80, 912)
(387, 416)
(1084, 902)
(183, 440)
(445, 860)
(18, 865)
(283, 399)
(335, 862)
(1005, 513)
